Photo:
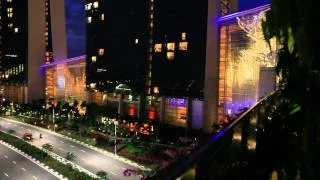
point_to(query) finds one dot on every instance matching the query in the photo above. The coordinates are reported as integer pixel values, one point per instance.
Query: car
(27, 136)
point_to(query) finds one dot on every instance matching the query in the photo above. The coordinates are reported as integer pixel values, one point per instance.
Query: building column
(211, 97)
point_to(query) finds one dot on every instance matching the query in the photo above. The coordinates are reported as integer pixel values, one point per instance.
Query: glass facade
(246, 60)
(65, 80)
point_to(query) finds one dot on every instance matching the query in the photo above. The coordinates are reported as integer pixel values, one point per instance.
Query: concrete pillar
(36, 49)
(212, 67)
(58, 28)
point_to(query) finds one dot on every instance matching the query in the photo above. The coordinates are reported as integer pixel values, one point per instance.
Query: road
(15, 166)
(85, 157)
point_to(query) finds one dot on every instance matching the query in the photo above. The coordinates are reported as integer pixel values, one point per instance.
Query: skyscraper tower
(23, 45)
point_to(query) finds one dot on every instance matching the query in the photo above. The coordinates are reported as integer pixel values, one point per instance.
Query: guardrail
(239, 139)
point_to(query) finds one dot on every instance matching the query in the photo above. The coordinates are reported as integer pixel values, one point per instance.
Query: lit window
(183, 46)
(94, 59)
(10, 15)
(170, 55)
(10, 25)
(102, 17)
(101, 52)
(156, 90)
(136, 41)
(171, 46)
(151, 24)
(9, 10)
(16, 30)
(88, 6)
(93, 85)
(184, 36)
(96, 4)
(89, 19)
(9, 0)
(157, 47)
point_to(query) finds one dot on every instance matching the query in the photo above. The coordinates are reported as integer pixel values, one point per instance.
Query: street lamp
(54, 127)
(115, 136)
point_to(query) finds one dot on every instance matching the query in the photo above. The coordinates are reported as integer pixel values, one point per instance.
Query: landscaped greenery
(294, 24)
(66, 170)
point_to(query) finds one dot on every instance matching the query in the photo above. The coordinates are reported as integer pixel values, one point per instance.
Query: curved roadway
(85, 157)
(15, 166)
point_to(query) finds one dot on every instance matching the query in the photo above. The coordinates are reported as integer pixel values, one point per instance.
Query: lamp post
(54, 127)
(115, 137)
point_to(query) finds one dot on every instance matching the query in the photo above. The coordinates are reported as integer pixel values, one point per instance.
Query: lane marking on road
(62, 142)
(82, 150)
(35, 177)
(23, 169)
(5, 156)
(14, 162)
(6, 174)
(71, 146)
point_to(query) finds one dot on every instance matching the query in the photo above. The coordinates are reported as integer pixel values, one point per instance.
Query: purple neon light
(74, 59)
(176, 102)
(244, 13)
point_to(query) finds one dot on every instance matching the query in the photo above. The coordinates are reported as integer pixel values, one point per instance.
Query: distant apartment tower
(24, 32)
(179, 48)
(116, 44)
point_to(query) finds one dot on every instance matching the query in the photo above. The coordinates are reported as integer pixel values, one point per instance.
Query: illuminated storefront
(246, 64)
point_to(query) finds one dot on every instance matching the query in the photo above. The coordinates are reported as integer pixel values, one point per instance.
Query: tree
(292, 22)
(103, 175)
(47, 147)
(11, 131)
(71, 157)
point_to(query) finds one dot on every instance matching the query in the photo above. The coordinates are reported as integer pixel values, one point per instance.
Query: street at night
(159, 90)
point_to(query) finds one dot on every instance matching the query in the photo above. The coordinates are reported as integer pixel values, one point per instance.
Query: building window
(88, 6)
(92, 85)
(156, 90)
(171, 46)
(9, 10)
(184, 36)
(89, 19)
(101, 52)
(16, 30)
(94, 59)
(102, 17)
(136, 41)
(96, 4)
(170, 55)
(10, 25)
(183, 46)
(157, 47)
(10, 15)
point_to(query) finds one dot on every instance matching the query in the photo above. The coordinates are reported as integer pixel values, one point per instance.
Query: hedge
(65, 169)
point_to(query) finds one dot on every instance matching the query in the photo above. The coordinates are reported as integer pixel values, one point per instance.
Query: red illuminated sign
(131, 110)
(152, 113)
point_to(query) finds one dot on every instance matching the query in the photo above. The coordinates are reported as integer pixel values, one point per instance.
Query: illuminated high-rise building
(29, 29)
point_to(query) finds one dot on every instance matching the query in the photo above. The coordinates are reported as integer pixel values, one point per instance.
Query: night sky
(76, 23)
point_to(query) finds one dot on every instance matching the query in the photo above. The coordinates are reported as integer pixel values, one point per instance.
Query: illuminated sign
(11, 55)
(152, 113)
(176, 102)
